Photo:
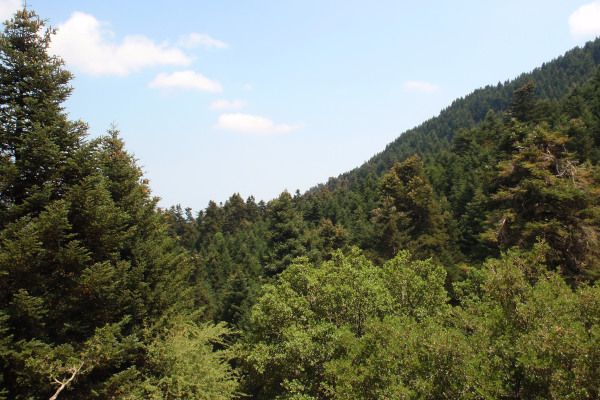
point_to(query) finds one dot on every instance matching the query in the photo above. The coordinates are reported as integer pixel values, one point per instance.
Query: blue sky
(256, 97)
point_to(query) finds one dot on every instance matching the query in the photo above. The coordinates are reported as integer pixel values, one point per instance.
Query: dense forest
(462, 262)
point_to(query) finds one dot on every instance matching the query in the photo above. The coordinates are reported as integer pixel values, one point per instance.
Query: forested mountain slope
(553, 80)
(435, 191)
(418, 313)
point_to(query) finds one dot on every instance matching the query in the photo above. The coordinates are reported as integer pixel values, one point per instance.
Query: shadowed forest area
(462, 262)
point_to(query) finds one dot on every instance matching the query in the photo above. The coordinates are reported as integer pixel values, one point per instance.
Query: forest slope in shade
(461, 263)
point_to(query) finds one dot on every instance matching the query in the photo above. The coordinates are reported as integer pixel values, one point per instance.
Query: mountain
(553, 80)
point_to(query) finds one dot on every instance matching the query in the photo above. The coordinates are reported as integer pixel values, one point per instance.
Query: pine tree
(39, 146)
(411, 217)
(284, 233)
(523, 106)
(544, 193)
(85, 259)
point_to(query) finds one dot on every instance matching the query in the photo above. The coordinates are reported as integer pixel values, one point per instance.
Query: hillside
(553, 80)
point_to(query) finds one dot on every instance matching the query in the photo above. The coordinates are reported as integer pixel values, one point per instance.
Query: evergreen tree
(40, 149)
(235, 214)
(284, 233)
(210, 221)
(544, 194)
(182, 226)
(85, 260)
(523, 105)
(235, 305)
(411, 217)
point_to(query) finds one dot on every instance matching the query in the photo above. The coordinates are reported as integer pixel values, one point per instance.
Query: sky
(257, 97)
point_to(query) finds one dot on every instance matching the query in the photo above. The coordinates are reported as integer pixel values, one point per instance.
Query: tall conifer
(88, 273)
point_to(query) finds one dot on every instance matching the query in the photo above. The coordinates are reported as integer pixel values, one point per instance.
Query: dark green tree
(235, 214)
(544, 193)
(210, 221)
(182, 225)
(284, 233)
(236, 302)
(523, 106)
(411, 217)
(40, 149)
(86, 262)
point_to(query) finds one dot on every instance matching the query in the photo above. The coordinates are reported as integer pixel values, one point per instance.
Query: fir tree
(284, 233)
(85, 260)
(411, 217)
(39, 146)
(543, 193)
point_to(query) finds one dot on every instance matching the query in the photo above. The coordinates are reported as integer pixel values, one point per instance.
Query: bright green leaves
(416, 286)
(348, 329)
(306, 325)
(185, 364)
(399, 357)
(528, 332)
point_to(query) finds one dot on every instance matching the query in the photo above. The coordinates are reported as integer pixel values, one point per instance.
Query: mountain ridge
(553, 80)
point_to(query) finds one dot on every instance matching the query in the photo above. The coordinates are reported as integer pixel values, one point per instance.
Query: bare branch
(74, 371)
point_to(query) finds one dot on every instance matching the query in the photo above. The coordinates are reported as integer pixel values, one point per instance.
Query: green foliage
(523, 104)
(401, 358)
(102, 295)
(553, 81)
(284, 231)
(37, 142)
(185, 364)
(347, 329)
(314, 316)
(182, 227)
(411, 217)
(85, 259)
(544, 193)
(530, 332)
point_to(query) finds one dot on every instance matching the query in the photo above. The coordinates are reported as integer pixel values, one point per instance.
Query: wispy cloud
(585, 21)
(251, 124)
(419, 86)
(223, 104)
(8, 8)
(83, 43)
(185, 80)
(197, 39)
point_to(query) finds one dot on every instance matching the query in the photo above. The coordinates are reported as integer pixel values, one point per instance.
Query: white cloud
(424, 87)
(185, 80)
(82, 43)
(585, 21)
(196, 39)
(223, 104)
(251, 124)
(248, 86)
(8, 8)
